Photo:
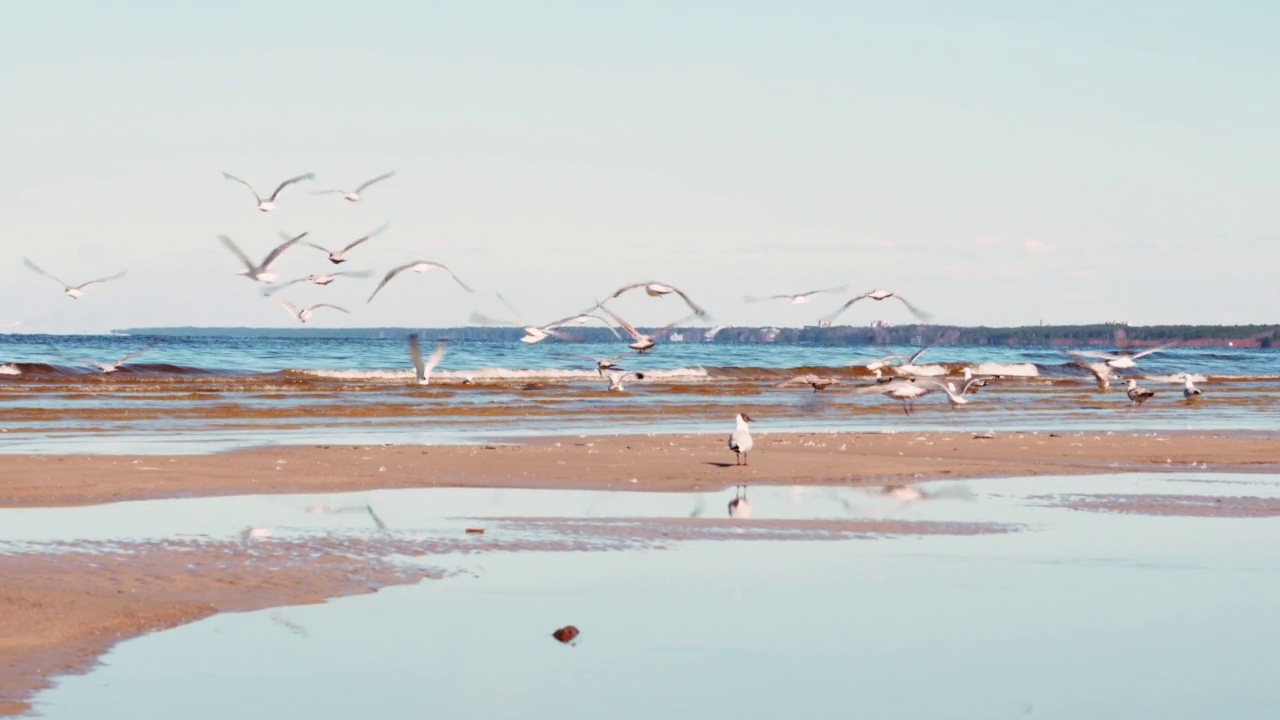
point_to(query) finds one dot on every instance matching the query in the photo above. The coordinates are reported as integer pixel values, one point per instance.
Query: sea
(208, 394)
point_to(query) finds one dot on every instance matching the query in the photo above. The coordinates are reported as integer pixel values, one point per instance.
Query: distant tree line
(1031, 335)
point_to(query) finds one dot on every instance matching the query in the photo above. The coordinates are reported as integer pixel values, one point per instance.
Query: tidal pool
(1049, 611)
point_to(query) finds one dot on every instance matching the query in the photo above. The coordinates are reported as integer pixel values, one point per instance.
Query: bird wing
(456, 279)
(918, 353)
(842, 288)
(353, 273)
(833, 315)
(32, 266)
(1092, 354)
(117, 276)
(328, 192)
(625, 289)
(387, 278)
(582, 316)
(697, 311)
(131, 356)
(376, 520)
(415, 352)
(666, 328)
(271, 256)
(970, 383)
(321, 248)
(920, 314)
(273, 289)
(366, 238)
(436, 355)
(1148, 351)
(229, 176)
(367, 183)
(293, 309)
(625, 325)
(327, 305)
(231, 245)
(290, 181)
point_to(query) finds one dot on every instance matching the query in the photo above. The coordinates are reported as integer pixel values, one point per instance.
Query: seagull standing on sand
(422, 370)
(259, 273)
(878, 295)
(1138, 395)
(739, 506)
(270, 203)
(797, 299)
(305, 314)
(616, 378)
(321, 280)
(740, 441)
(418, 266)
(337, 257)
(354, 195)
(657, 289)
(72, 291)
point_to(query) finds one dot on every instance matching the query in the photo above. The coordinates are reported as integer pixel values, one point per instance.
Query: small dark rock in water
(475, 531)
(565, 634)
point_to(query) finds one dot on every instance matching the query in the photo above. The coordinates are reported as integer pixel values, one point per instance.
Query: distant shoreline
(1057, 336)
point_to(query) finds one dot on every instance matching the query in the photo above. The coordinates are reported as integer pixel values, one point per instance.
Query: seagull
(881, 377)
(643, 343)
(911, 368)
(1189, 389)
(907, 391)
(955, 398)
(423, 370)
(72, 291)
(270, 203)
(817, 383)
(337, 257)
(108, 368)
(320, 280)
(1138, 395)
(1101, 372)
(418, 266)
(305, 314)
(259, 273)
(886, 361)
(878, 295)
(657, 289)
(354, 195)
(797, 299)
(978, 382)
(602, 364)
(905, 493)
(739, 506)
(616, 378)
(1121, 361)
(740, 441)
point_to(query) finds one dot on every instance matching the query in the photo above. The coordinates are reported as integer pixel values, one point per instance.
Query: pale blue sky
(997, 163)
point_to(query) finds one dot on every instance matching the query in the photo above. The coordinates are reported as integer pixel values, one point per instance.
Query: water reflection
(1078, 614)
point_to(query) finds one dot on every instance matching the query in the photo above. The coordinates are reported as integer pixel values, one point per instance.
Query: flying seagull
(817, 383)
(954, 397)
(305, 314)
(72, 291)
(642, 343)
(878, 295)
(657, 289)
(423, 370)
(354, 195)
(617, 377)
(418, 266)
(797, 299)
(270, 203)
(1119, 361)
(108, 368)
(259, 273)
(602, 364)
(338, 257)
(906, 391)
(320, 280)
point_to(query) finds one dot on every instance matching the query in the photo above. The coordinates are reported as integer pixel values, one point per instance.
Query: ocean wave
(499, 375)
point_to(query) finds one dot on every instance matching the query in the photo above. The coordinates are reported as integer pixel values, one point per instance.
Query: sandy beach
(63, 609)
(664, 463)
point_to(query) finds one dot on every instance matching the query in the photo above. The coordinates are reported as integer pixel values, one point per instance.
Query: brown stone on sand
(565, 634)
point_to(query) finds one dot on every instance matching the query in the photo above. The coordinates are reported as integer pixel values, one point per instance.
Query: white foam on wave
(1179, 378)
(8, 369)
(498, 375)
(1014, 370)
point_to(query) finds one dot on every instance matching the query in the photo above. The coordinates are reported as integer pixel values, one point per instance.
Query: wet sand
(669, 463)
(61, 610)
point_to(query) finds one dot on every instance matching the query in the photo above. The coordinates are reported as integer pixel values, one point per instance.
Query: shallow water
(207, 394)
(1070, 614)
